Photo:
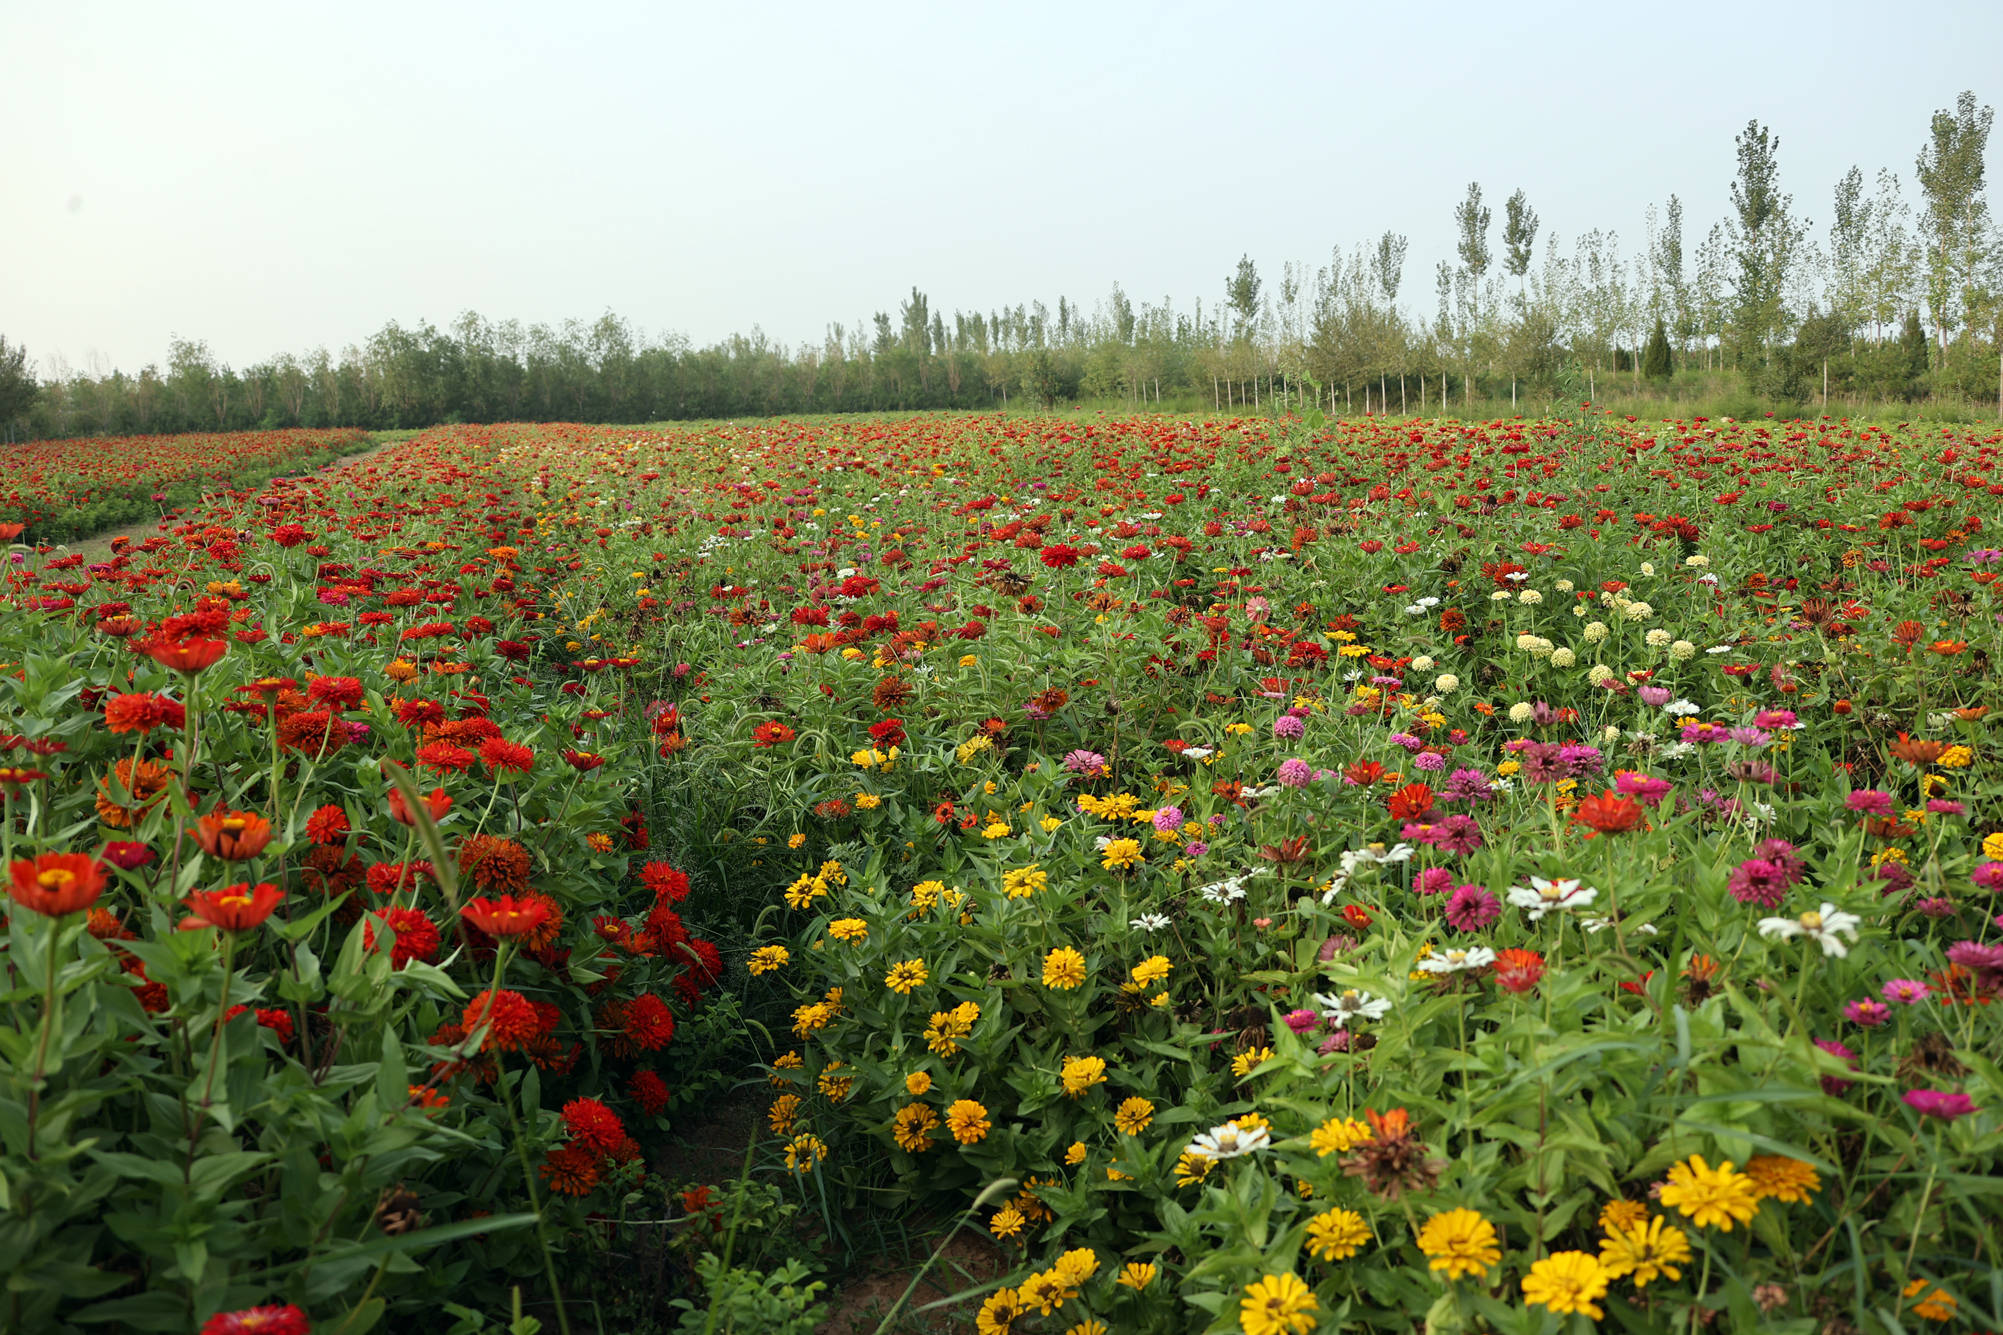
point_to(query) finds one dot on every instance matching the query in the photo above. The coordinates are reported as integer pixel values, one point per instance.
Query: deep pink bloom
(1471, 908)
(1905, 991)
(1939, 1103)
(1870, 802)
(1868, 1013)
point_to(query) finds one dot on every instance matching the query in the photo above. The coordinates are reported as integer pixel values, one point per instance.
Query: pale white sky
(273, 177)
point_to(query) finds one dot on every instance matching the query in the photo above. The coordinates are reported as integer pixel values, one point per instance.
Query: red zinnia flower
(665, 881)
(511, 1020)
(235, 909)
(327, 825)
(285, 1320)
(1410, 802)
(649, 1091)
(771, 734)
(189, 655)
(335, 692)
(416, 935)
(1608, 812)
(1518, 970)
(648, 1022)
(444, 758)
(57, 883)
(583, 761)
(499, 754)
(507, 916)
(143, 713)
(593, 1125)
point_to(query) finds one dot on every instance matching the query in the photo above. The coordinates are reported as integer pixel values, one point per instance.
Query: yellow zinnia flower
(1337, 1235)
(1063, 969)
(1647, 1251)
(1278, 1305)
(1460, 1242)
(1567, 1282)
(1711, 1197)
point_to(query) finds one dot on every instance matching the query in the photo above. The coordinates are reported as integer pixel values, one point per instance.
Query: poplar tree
(1519, 239)
(1955, 225)
(1764, 240)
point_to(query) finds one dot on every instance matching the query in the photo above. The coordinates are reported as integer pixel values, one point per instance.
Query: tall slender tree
(1956, 222)
(1765, 239)
(1519, 239)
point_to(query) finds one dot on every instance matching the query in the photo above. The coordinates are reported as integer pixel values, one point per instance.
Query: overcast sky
(274, 177)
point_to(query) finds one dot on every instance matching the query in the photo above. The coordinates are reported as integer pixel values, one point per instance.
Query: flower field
(63, 489)
(1267, 875)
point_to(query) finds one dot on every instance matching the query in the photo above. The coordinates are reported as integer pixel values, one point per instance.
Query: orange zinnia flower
(236, 909)
(57, 883)
(437, 804)
(233, 835)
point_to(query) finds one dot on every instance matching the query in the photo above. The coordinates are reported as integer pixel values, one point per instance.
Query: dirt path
(97, 547)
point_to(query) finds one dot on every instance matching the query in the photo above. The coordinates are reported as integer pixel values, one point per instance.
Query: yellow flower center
(234, 901)
(1811, 922)
(55, 878)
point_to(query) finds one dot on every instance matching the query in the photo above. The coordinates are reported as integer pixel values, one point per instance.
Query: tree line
(1890, 300)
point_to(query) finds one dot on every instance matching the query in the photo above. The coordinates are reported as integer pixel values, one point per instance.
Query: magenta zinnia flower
(1940, 1103)
(1870, 802)
(1471, 908)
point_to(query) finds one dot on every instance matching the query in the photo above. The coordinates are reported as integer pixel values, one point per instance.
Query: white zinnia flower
(1340, 1008)
(1149, 922)
(1457, 960)
(1230, 1141)
(1821, 927)
(1542, 896)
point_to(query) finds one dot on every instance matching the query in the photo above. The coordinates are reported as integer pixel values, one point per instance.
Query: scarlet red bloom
(335, 692)
(238, 908)
(665, 881)
(583, 761)
(1363, 773)
(648, 1022)
(649, 1091)
(1609, 812)
(771, 734)
(506, 916)
(416, 935)
(442, 757)
(189, 655)
(126, 855)
(503, 756)
(327, 825)
(511, 1020)
(285, 1320)
(232, 835)
(57, 883)
(1518, 970)
(593, 1125)
(143, 713)
(1410, 802)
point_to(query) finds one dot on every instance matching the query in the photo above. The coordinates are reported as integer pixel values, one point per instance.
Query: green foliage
(1655, 361)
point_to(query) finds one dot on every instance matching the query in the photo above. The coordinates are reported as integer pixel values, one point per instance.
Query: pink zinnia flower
(1940, 1103)
(1905, 991)
(1471, 908)
(1870, 802)
(1868, 1013)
